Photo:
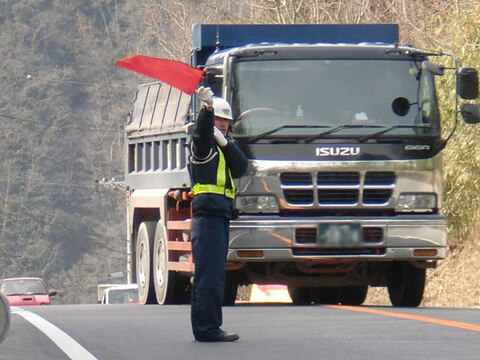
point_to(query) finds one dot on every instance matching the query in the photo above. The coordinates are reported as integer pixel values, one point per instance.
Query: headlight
(255, 204)
(416, 202)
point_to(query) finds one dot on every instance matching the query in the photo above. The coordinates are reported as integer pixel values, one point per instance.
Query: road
(103, 332)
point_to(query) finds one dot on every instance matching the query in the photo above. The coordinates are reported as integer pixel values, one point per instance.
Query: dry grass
(454, 283)
(244, 292)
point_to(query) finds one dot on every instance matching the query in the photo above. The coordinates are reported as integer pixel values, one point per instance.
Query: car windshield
(22, 287)
(333, 98)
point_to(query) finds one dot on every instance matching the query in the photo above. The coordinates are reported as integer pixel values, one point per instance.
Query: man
(214, 162)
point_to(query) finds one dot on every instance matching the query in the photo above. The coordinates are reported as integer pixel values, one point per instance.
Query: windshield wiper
(338, 128)
(378, 133)
(269, 132)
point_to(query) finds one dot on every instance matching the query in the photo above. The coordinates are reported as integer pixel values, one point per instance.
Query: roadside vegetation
(63, 104)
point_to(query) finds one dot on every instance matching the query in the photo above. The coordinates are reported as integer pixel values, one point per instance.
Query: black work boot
(222, 336)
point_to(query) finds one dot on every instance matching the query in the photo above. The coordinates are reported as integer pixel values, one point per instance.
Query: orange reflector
(250, 253)
(425, 252)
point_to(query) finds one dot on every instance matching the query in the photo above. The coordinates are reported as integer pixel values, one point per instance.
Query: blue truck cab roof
(207, 39)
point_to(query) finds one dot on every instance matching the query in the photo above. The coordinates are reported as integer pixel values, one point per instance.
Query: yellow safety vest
(219, 187)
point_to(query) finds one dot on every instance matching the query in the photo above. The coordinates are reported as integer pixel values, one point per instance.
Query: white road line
(65, 342)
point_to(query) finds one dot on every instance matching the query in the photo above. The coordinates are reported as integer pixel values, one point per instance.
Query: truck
(341, 126)
(119, 294)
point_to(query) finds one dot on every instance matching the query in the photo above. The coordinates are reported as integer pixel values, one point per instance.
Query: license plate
(339, 235)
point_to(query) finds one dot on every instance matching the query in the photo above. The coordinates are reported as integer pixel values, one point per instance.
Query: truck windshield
(123, 296)
(355, 98)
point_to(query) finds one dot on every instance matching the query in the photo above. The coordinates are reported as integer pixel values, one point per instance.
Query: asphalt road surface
(135, 332)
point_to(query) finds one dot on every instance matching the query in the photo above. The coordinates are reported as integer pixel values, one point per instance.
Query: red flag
(175, 73)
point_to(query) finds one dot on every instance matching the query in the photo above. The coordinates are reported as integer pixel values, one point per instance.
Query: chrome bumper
(276, 238)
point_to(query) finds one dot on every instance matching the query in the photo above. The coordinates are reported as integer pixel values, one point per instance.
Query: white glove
(221, 140)
(205, 95)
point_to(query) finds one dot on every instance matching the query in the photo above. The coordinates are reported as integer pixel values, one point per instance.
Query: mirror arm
(446, 140)
(456, 67)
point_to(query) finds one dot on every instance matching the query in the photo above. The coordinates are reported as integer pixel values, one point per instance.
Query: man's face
(222, 125)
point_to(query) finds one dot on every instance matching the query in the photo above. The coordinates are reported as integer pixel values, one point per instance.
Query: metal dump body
(157, 146)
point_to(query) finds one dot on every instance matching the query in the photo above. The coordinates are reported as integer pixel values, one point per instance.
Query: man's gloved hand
(205, 95)
(221, 140)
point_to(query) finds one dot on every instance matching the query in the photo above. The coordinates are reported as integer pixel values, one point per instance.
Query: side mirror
(213, 79)
(52, 293)
(467, 83)
(470, 113)
(209, 77)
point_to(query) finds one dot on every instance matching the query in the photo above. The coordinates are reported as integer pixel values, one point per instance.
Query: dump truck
(341, 126)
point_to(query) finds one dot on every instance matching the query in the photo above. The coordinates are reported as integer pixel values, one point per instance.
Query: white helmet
(222, 108)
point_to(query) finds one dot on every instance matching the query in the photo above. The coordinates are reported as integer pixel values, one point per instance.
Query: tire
(300, 295)
(4, 317)
(144, 258)
(353, 295)
(170, 287)
(231, 287)
(325, 295)
(160, 264)
(405, 285)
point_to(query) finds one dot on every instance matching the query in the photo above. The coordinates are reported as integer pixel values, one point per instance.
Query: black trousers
(210, 234)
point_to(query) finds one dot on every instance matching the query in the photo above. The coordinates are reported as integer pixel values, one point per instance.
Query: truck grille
(338, 178)
(380, 178)
(308, 236)
(338, 251)
(372, 234)
(298, 197)
(332, 197)
(296, 178)
(336, 188)
(376, 196)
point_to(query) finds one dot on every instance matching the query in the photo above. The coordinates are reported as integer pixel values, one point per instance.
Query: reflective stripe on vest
(218, 188)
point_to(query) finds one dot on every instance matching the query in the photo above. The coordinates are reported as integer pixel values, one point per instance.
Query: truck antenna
(217, 44)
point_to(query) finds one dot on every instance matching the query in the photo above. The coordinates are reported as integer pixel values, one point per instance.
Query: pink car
(26, 291)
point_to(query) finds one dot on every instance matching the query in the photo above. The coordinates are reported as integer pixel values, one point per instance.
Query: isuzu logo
(337, 151)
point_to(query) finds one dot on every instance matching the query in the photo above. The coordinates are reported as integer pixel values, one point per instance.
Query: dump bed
(157, 153)
(158, 108)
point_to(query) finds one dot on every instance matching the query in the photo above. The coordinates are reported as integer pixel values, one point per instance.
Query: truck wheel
(405, 284)
(325, 295)
(353, 295)
(300, 295)
(144, 257)
(160, 264)
(170, 287)
(231, 287)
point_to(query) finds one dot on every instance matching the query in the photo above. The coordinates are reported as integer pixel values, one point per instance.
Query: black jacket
(204, 164)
